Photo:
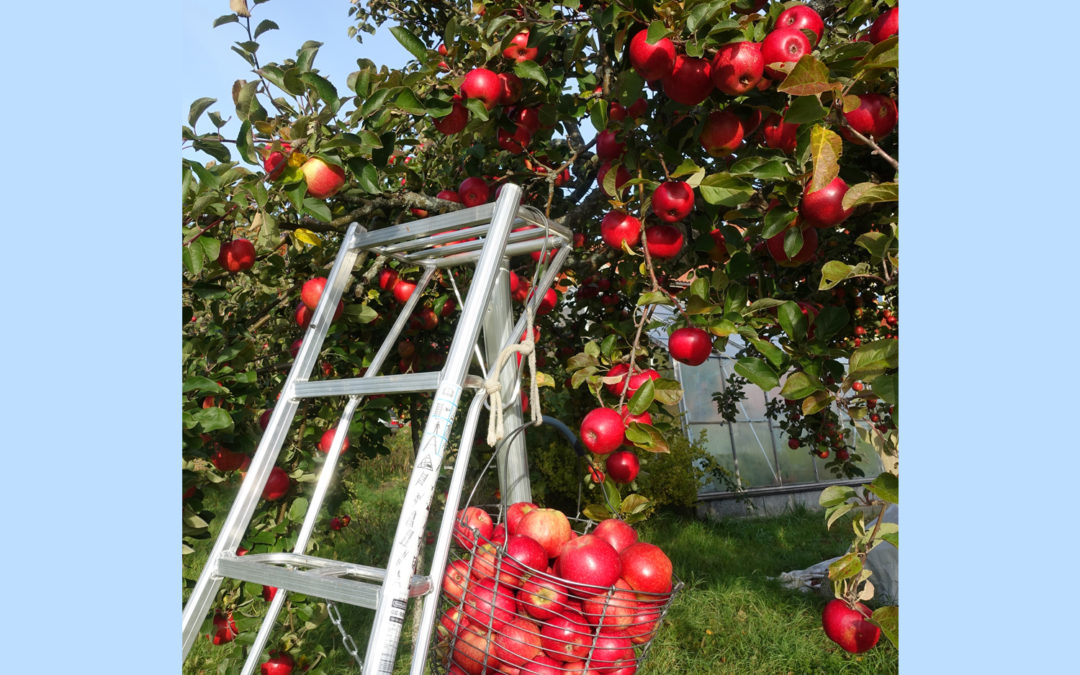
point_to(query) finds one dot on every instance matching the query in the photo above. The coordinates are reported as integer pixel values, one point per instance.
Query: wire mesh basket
(499, 612)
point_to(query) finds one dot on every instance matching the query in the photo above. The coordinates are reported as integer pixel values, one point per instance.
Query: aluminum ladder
(486, 236)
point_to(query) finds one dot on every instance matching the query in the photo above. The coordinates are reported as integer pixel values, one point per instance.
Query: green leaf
(845, 568)
(870, 193)
(642, 398)
(774, 354)
(362, 313)
(760, 167)
(265, 25)
(723, 189)
(375, 102)
(793, 241)
(532, 71)
(794, 323)
(809, 77)
(834, 271)
(227, 18)
(758, 372)
(213, 419)
(647, 437)
(317, 209)
(886, 387)
(597, 512)
(410, 42)
(578, 361)
(202, 384)
(799, 385)
(608, 345)
(657, 31)
(245, 144)
(408, 102)
(825, 150)
(876, 243)
(887, 487)
(888, 619)
(701, 14)
(477, 109)
(804, 110)
(815, 403)
(305, 56)
(836, 513)
(214, 148)
(828, 322)
(298, 509)
(880, 354)
(198, 108)
(834, 495)
(882, 56)
(634, 504)
(367, 176)
(654, 298)
(326, 91)
(667, 392)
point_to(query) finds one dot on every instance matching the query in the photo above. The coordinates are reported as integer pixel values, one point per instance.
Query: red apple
(549, 527)
(264, 418)
(524, 555)
(268, 592)
(690, 80)
(323, 180)
(722, 133)
(737, 68)
(488, 602)
(311, 291)
(279, 664)
(875, 117)
(224, 459)
(449, 195)
(472, 522)
(602, 430)
(526, 117)
(802, 18)
(456, 579)
(611, 652)
(651, 61)
(608, 145)
(543, 665)
(663, 241)
(388, 278)
(783, 45)
(848, 627)
(483, 85)
(775, 246)
(616, 532)
(515, 512)
(327, 440)
(511, 87)
(690, 345)
(474, 651)
(548, 302)
(589, 563)
(718, 253)
(541, 596)
(237, 255)
(673, 200)
(885, 26)
(519, 49)
(455, 121)
(452, 621)
(779, 134)
(498, 535)
(617, 227)
(474, 191)
(646, 568)
(566, 637)
(277, 484)
(403, 290)
(518, 642)
(622, 466)
(621, 176)
(274, 161)
(513, 142)
(224, 628)
(824, 207)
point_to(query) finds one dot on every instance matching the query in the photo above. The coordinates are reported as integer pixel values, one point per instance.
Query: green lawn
(729, 617)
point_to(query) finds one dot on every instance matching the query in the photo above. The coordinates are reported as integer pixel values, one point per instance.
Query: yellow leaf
(239, 7)
(307, 236)
(544, 380)
(825, 150)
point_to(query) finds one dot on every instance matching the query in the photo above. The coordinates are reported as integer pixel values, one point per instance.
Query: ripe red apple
(483, 85)
(515, 512)
(226, 460)
(779, 134)
(663, 241)
(783, 45)
(673, 200)
(474, 191)
(654, 61)
(511, 87)
(589, 563)
(473, 651)
(274, 161)
(602, 430)
(489, 603)
(224, 627)
(277, 484)
(388, 278)
(264, 418)
(268, 592)
(523, 555)
(621, 176)
(722, 133)
(690, 80)
(622, 466)
(311, 291)
(548, 302)
(885, 26)
(543, 665)
(616, 532)
(549, 527)
(608, 145)
(635, 380)
(824, 207)
(875, 116)
(455, 121)
(848, 627)
(328, 438)
(279, 664)
(449, 195)
(323, 180)
(566, 637)
(775, 246)
(518, 642)
(237, 255)
(470, 523)
(801, 17)
(690, 345)
(526, 117)
(737, 68)
(403, 290)
(513, 142)
(456, 579)
(646, 568)
(612, 652)
(519, 49)
(541, 596)
(617, 227)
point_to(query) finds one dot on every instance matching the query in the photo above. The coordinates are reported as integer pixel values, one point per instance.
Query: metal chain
(350, 646)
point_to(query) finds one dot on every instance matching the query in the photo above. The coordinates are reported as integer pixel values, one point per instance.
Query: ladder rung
(380, 384)
(350, 583)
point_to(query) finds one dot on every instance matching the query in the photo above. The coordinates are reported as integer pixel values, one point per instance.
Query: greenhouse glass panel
(754, 452)
(699, 383)
(796, 466)
(718, 444)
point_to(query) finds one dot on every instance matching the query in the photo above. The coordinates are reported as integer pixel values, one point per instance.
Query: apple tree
(729, 168)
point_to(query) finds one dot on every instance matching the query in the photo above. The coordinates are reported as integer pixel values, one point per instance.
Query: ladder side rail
(390, 614)
(243, 508)
(326, 474)
(468, 239)
(416, 231)
(446, 533)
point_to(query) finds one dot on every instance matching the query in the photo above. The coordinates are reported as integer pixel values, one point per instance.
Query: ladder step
(380, 384)
(349, 583)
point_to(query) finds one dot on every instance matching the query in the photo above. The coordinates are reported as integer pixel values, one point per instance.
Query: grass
(728, 618)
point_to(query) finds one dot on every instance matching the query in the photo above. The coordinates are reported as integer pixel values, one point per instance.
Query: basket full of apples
(538, 593)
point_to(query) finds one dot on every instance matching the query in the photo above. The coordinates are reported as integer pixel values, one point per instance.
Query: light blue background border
(91, 375)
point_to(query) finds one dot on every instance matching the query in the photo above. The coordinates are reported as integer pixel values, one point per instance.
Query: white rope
(496, 431)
